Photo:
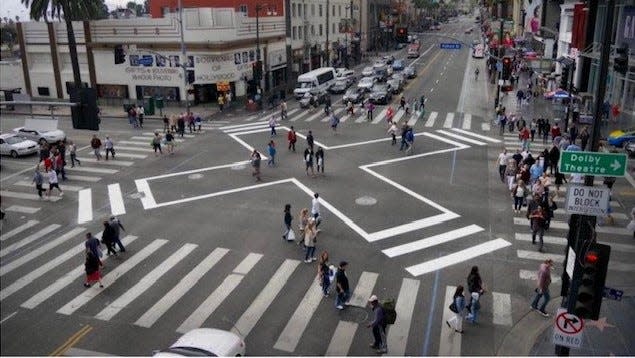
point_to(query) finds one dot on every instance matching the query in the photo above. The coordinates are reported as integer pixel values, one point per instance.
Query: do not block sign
(567, 329)
(587, 200)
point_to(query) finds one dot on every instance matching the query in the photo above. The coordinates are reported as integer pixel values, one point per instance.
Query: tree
(68, 10)
(8, 36)
(138, 9)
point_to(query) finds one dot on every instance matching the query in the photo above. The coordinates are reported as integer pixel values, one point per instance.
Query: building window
(304, 12)
(242, 9)
(320, 10)
(332, 10)
(339, 11)
(320, 29)
(294, 30)
(43, 91)
(312, 9)
(312, 30)
(333, 31)
(293, 10)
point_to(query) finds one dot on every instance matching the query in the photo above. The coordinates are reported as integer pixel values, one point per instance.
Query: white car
(12, 145)
(40, 136)
(367, 71)
(206, 342)
(366, 83)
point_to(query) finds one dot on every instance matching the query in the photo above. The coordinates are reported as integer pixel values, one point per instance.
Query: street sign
(587, 200)
(450, 46)
(593, 163)
(567, 329)
(612, 293)
(570, 262)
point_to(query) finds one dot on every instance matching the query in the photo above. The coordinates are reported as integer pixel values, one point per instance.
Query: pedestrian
(319, 158)
(392, 130)
(584, 137)
(73, 152)
(272, 125)
(404, 130)
(166, 123)
(474, 308)
(308, 161)
(191, 126)
(324, 273)
(554, 157)
(334, 122)
(53, 183)
(181, 125)
(283, 110)
(92, 266)
(141, 113)
(58, 165)
(110, 147)
(402, 103)
(523, 135)
(518, 193)
(95, 143)
(537, 219)
(132, 116)
(573, 133)
(310, 238)
(510, 173)
(474, 282)
(378, 325)
(341, 286)
(315, 209)
(456, 321)
(292, 138)
(410, 141)
(108, 238)
(271, 147)
(310, 140)
(169, 141)
(44, 151)
(542, 287)
(502, 164)
(93, 245)
(555, 131)
(116, 225)
(38, 179)
(255, 163)
(198, 121)
(288, 218)
(156, 144)
(369, 111)
(304, 221)
(173, 122)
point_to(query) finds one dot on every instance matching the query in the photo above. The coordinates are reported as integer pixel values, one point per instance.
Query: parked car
(367, 72)
(339, 86)
(354, 95)
(366, 83)
(629, 148)
(15, 146)
(40, 136)
(409, 72)
(206, 342)
(388, 59)
(618, 138)
(398, 65)
(380, 94)
(394, 85)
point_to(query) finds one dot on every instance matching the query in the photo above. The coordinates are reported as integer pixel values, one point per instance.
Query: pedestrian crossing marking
(431, 118)
(456, 257)
(111, 277)
(147, 139)
(467, 121)
(66, 279)
(92, 170)
(116, 199)
(449, 341)
(139, 143)
(413, 120)
(539, 256)
(533, 275)
(27, 196)
(463, 138)
(316, 115)
(64, 187)
(29, 239)
(443, 139)
(145, 283)
(122, 163)
(361, 118)
(397, 336)
(449, 118)
(125, 155)
(19, 229)
(292, 332)
(234, 126)
(379, 117)
(177, 292)
(40, 250)
(486, 138)
(241, 129)
(22, 209)
(82, 178)
(485, 127)
(400, 113)
(557, 224)
(265, 298)
(563, 241)
(151, 134)
(364, 289)
(84, 206)
(336, 112)
(502, 309)
(342, 339)
(432, 241)
(345, 118)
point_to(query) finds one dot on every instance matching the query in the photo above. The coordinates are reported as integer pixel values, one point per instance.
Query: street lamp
(258, 72)
(184, 62)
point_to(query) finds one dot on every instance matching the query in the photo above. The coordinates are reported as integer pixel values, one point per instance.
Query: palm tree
(68, 10)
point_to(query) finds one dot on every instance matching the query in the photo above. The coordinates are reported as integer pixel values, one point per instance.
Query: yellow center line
(61, 350)
(424, 69)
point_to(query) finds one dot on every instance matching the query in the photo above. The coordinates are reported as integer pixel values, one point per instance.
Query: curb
(521, 339)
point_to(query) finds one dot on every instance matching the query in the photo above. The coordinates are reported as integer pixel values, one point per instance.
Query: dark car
(388, 59)
(339, 86)
(629, 148)
(398, 65)
(410, 72)
(380, 94)
(353, 95)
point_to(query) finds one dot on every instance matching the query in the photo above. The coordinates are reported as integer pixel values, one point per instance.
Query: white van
(319, 79)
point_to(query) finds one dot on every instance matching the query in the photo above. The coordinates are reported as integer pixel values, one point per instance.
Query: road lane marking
(486, 138)
(247, 264)
(145, 283)
(27, 196)
(539, 256)
(485, 127)
(76, 337)
(342, 339)
(379, 117)
(247, 128)
(502, 309)
(449, 119)
(29, 239)
(449, 341)
(292, 332)
(92, 170)
(398, 115)
(467, 121)
(178, 291)
(147, 199)
(265, 298)
(457, 257)
(111, 277)
(446, 140)
(69, 188)
(463, 138)
(22, 209)
(117, 206)
(397, 336)
(85, 206)
(363, 289)
(19, 229)
(431, 118)
(432, 241)
(8, 317)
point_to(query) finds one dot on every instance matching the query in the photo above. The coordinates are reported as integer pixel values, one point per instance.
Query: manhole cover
(366, 200)
(137, 195)
(238, 167)
(195, 176)
(354, 314)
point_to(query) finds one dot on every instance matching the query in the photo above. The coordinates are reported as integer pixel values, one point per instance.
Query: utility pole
(501, 53)
(184, 61)
(258, 62)
(582, 227)
(287, 20)
(326, 49)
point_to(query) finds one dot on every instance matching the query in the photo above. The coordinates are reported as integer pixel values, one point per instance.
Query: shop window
(43, 91)
(320, 10)
(242, 9)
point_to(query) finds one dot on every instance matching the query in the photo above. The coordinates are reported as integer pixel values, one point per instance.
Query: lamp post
(183, 64)
(258, 72)
(326, 48)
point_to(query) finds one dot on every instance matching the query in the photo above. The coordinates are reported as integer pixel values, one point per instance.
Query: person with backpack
(378, 324)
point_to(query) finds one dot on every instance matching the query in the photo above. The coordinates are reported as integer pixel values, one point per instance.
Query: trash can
(158, 101)
(148, 105)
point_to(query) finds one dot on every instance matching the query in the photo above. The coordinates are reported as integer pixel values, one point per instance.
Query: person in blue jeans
(542, 289)
(474, 308)
(341, 285)
(272, 153)
(310, 234)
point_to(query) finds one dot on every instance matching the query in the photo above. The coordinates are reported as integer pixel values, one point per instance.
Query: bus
(413, 50)
(319, 80)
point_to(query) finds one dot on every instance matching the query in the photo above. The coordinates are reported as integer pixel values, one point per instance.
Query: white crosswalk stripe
(485, 127)
(400, 113)
(364, 289)
(463, 138)
(379, 117)
(65, 187)
(342, 339)
(85, 206)
(467, 121)
(431, 118)
(119, 154)
(27, 196)
(449, 119)
(19, 229)
(83, 178)
(116, 200)
(413, 120)
(29, 239)
(122, 163)
(557, 224)
(22, 209)
(151, 134)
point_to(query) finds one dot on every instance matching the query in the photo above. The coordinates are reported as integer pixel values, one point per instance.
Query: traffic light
(507, 68)
(257, 71)
(620, 63)
(594, 267)
(402, 34)
(120, 55)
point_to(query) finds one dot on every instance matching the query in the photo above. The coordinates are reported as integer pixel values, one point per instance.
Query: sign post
(593, 163)
(567, 329)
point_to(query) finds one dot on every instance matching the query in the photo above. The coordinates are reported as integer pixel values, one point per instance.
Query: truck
(413, 50)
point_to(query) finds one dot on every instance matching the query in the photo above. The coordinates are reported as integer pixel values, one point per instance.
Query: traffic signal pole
(500, 55)
(582, 227)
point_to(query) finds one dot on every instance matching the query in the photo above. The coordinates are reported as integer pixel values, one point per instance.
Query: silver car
(366, 83)
(40, 136)
(11, 144)
(367, 71)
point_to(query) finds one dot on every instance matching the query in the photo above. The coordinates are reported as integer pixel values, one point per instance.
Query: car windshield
(189, 352)
(379, 88)
(351, 92)
(303, 85)
(13, 140)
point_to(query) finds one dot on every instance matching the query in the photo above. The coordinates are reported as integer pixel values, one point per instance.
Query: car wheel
(14, 154)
